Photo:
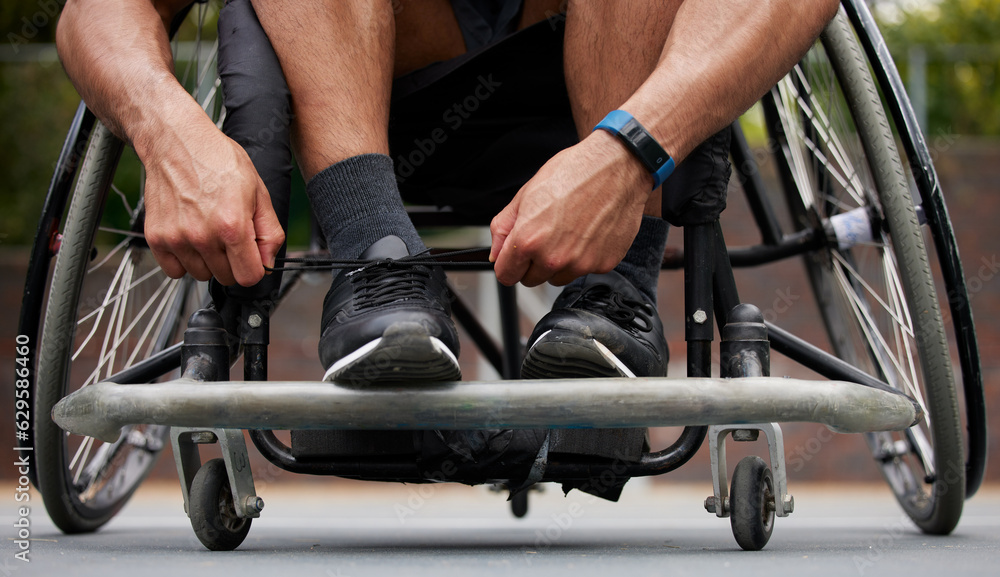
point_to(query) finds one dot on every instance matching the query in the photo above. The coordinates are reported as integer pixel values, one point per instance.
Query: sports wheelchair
(107, 327)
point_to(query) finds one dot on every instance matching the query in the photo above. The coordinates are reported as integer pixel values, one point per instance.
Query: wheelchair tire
(877, 296)
(84, 482)
(108, 306)
(212, 510)
(751, 503)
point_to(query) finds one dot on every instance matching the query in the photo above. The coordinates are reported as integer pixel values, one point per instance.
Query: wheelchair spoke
(895, 314)
(121, 336)
(903, 378)
(843, 171)
(99, 311)
(82, 452)
(124, 199)
(113, 300)
(108, 256)
(172, 290)
(206, 70)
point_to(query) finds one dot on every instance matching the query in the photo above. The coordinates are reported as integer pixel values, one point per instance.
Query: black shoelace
(623, 310)
(451, 258)
(387, 281)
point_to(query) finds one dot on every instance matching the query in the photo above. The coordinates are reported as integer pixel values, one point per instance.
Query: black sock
(357, 203)
(641, 265)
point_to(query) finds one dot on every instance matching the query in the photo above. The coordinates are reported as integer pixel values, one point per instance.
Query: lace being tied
(452, 259)
(623, 310)
(387, 281)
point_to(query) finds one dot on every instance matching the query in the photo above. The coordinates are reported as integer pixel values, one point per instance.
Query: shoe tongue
(387, 247)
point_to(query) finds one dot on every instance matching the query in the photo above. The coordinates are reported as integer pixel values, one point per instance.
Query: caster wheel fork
(758, 493)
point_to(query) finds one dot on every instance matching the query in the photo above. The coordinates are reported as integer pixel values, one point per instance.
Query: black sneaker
(389, 322)
(601, 326)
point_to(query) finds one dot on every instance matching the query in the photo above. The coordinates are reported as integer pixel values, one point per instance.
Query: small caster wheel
(212, 510)
(519, 504)
(751, 503)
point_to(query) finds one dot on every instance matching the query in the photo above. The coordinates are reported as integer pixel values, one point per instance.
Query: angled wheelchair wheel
(109, 307)
(842, 175)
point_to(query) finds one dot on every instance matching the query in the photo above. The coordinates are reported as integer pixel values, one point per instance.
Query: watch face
(640, 142)
(643, 145)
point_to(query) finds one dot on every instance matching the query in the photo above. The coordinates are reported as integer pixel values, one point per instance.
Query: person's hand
(207, 211)
(578, 215)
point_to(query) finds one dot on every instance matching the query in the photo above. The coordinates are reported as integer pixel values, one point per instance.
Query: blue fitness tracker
(640, 142)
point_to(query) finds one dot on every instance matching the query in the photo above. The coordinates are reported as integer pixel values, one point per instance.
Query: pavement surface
(343, 529)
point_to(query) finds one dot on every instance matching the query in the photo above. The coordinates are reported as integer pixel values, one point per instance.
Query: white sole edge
(436, 343)
(605, 352)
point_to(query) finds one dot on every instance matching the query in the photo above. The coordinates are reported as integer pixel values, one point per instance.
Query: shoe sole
(405, 353)
(560, 354)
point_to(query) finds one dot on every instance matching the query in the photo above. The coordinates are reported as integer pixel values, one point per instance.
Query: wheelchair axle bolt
(255, 321)
(254, 504)
(711, 508)
(700, 317)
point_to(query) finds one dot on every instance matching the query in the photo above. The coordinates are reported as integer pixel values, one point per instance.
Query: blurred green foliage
(38, 101)
(961, 40)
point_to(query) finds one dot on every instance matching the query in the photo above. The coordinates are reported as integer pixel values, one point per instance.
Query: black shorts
(469, 132)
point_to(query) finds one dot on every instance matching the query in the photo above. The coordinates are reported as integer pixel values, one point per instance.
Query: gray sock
(357, 203)
(641, 265)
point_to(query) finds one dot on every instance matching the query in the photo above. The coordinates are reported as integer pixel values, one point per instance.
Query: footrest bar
(100, 410)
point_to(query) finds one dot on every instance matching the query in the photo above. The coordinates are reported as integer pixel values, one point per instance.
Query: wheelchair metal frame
(710, 294)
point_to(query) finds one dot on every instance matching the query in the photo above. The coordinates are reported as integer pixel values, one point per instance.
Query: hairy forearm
(720, 57)
(117, 54)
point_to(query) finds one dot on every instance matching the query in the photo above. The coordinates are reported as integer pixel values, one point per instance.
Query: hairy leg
(339, 58)
(611, 48)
